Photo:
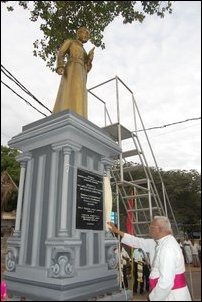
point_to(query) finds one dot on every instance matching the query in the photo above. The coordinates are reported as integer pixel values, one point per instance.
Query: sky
(158, 60)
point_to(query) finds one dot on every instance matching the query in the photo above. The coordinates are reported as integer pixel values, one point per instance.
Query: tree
(10, 174)
(9, 163)
(184, 191)
(9, 192)
(60, 19)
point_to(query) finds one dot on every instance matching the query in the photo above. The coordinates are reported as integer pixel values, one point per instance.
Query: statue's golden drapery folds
(72, 93)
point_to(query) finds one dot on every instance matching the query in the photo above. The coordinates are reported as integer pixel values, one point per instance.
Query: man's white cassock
(166, 260)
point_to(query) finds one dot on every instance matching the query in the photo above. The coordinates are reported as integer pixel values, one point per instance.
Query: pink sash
(179, 281)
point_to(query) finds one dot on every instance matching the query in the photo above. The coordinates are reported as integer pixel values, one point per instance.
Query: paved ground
(193, 275)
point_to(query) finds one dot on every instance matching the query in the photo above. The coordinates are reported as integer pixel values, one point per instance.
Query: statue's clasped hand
(91, 54)
(60, 70)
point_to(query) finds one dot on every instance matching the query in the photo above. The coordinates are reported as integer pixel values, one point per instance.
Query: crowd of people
(135, 267)
(191, 250)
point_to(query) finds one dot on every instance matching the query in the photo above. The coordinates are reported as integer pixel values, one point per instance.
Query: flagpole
(132, 269)
(118, 224)
(130, 230)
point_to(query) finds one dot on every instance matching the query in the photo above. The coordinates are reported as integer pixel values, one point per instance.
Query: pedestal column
(26, 210)
(63, 217)
(22, 158)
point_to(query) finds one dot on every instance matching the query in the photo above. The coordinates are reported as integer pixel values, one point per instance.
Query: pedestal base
(61, 251)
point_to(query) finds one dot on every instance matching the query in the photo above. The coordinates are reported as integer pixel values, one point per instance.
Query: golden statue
(72, 93)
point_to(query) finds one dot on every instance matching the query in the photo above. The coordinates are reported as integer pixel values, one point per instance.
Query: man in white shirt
(138, 257)
(187, 250)
(167, 277)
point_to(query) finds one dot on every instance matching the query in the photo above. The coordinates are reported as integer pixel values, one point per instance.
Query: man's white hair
(164, 222)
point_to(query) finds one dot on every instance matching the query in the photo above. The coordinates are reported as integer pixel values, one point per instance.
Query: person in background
(167, 276)
(124, 260)
(194, 250)
(182, 248)
(199, 251)
(187, 250)
(138, 257)
(146, 270)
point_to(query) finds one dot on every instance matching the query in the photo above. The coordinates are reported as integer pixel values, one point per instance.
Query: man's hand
(112, 227)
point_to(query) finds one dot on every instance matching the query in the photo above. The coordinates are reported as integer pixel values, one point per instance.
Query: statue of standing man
(72, 93)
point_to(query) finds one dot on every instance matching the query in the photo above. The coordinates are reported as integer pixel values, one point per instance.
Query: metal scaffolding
(148, 198)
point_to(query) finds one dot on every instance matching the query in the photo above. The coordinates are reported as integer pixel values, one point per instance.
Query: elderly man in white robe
(167, 277)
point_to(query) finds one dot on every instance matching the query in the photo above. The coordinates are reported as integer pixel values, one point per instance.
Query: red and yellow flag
(130, 217)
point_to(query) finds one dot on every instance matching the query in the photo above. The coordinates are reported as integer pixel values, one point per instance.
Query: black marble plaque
(89, 209)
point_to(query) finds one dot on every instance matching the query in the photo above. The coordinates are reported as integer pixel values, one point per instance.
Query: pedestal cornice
(55, 129)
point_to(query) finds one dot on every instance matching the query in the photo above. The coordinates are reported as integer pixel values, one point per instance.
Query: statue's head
(83, 34)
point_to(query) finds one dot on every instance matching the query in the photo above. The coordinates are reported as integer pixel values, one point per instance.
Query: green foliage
(9, 163)
(60, 19)
(11, 204)
(184, 191)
